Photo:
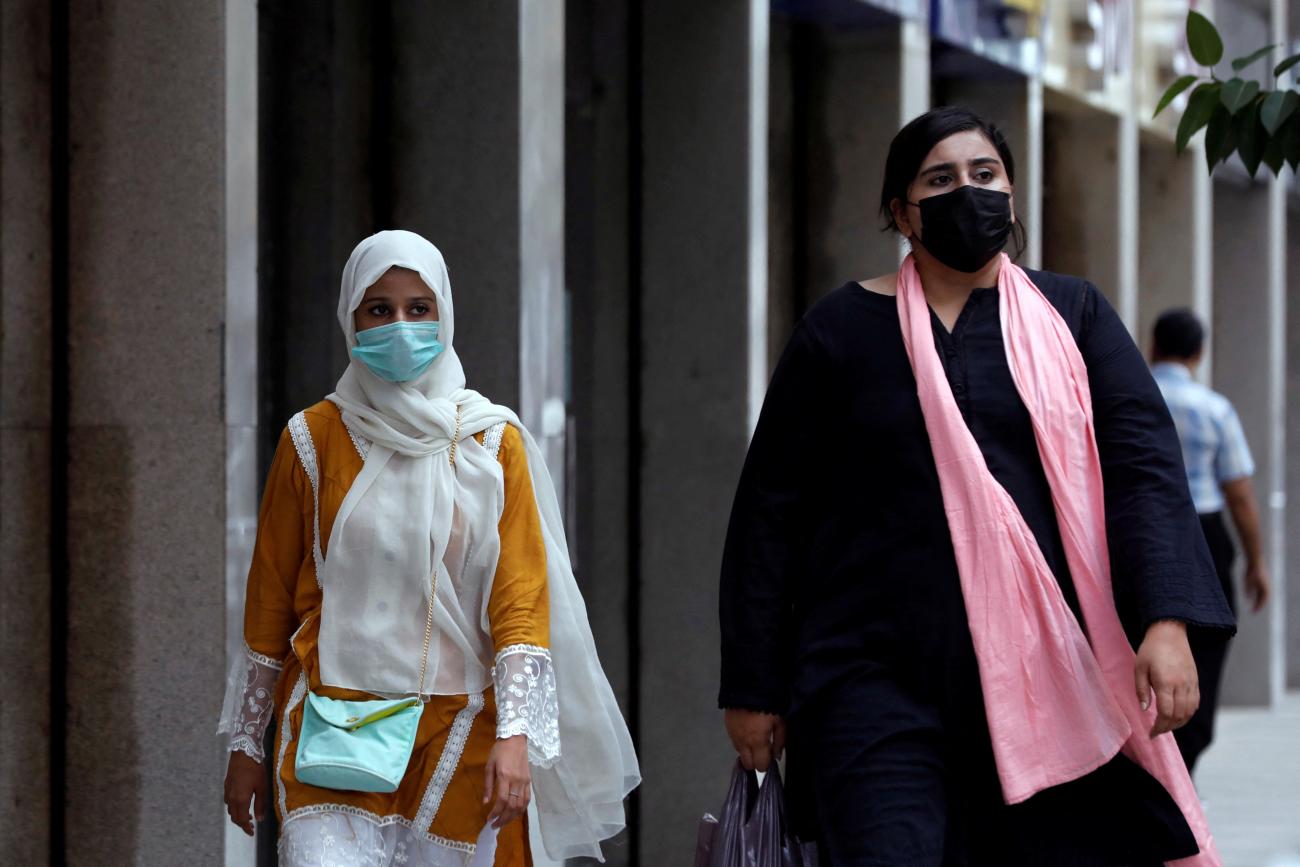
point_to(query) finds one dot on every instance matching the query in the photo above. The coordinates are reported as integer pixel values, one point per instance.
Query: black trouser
(1209, 647)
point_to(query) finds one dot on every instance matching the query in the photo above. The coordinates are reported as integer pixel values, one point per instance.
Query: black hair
(1178, 334)
(918, 138)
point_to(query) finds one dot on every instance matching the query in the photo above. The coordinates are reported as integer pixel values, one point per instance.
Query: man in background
(1219, 470)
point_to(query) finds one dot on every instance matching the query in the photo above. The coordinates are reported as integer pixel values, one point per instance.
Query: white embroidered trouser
(337, 839)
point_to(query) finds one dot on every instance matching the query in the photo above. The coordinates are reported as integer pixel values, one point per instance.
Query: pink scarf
(1059, 705)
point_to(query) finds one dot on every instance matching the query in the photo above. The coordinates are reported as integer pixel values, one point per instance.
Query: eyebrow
(948, 167)
(377, 299)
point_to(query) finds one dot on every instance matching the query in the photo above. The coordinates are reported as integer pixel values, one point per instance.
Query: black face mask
(966, 228)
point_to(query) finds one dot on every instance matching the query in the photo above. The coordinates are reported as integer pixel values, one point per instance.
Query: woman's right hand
(758, 737)
(245, 777)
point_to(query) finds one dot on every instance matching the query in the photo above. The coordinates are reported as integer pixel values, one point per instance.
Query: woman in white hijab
(410, 544)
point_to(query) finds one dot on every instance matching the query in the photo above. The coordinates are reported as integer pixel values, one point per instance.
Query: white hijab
(408, 511)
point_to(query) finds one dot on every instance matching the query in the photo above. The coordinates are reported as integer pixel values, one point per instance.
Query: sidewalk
(1249, 779)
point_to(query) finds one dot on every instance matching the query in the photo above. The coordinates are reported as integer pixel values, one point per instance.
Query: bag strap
(433, 577)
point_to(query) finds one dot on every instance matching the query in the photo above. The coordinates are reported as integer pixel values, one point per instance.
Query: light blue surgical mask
(399, 351)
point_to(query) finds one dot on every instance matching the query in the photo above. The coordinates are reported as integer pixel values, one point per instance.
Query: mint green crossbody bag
(364, 746)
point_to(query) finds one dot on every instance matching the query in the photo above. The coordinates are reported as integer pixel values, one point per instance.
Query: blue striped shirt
(1214, 444)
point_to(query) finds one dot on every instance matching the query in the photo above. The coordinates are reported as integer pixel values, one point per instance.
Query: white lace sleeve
(527, 703)
(250, 698)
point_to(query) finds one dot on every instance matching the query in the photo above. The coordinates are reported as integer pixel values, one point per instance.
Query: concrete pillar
(146, 458)
(243, 479)
(1292, 531)
(25, 429)
(478, 115)
(1081, 193)
(597, 262)
(1203, 255)
(1286, 613)
(1274, 484)
(861, 88)
(698, 270)
(1166, 233)
(1247, 348)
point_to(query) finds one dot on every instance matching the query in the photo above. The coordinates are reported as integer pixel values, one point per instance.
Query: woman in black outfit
(843, 621)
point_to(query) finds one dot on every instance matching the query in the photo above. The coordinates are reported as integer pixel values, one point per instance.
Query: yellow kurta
(282, 619)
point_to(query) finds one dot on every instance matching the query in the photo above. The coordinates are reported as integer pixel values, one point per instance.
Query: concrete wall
(1292, 599)
(1167, 236)
(1242, 372)
(597, 259)
(696, 378)
(1081, 193)
(146, 506)
(853, 111)
(25, 372)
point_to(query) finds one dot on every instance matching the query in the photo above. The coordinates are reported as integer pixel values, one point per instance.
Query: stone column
(243, 479)
(1246, 370)
(862, 86)
(1167, 237)
(1292, 531)
(25, 429)
(147, 450)
(1081, 194)
(703, 305)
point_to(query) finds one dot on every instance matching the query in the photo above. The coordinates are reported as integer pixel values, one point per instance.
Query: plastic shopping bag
(751, 830)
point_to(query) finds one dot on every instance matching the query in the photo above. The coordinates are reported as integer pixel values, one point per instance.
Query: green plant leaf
(1176, 88)
(1289, 138)
(1220, 140)
(1242, 62)
(1237, 93)
(1273, 156)
(1250, 137)
(1200, 107)
(1277, 107)
(1203, 40)
(1286, 64)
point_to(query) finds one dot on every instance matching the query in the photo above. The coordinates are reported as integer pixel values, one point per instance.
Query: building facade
(636, 201)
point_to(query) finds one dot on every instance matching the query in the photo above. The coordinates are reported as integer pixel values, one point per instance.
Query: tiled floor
(1250, 782)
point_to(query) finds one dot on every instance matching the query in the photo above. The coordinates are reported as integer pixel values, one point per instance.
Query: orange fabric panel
(283, 528)
(519, 608)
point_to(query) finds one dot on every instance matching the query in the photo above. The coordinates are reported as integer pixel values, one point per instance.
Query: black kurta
(840, 598)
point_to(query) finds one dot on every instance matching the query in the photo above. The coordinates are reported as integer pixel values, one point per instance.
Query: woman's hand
(1165, 664)
(759, 738)
(245, 777)
(509, 780)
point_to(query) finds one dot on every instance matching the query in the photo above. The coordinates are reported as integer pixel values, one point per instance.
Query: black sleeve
(765, 534)
(1160, 563)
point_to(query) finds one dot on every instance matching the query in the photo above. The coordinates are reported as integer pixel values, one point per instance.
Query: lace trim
(246, 745)
(306, 449)
(380, 821)
(295, 699)
(269, 662)
(448, 761)
(492, 439)
(360, 443)
(249, 702)
(527, 700)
